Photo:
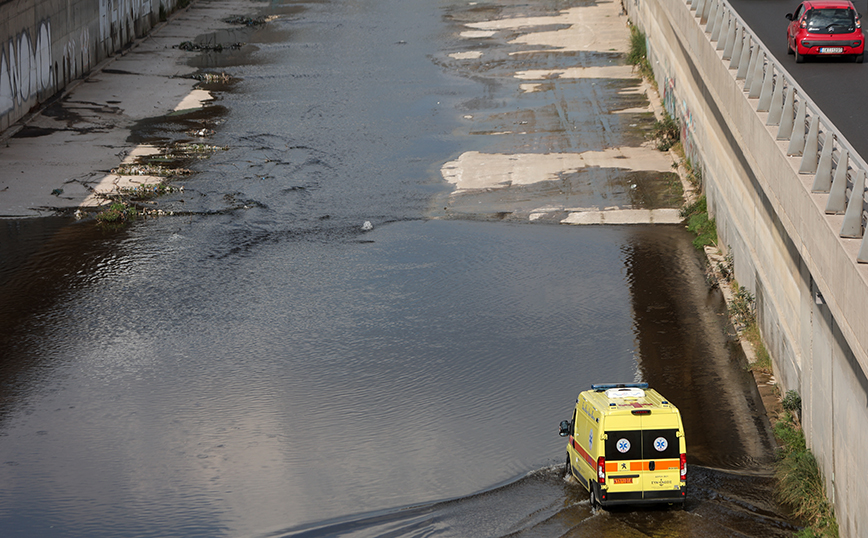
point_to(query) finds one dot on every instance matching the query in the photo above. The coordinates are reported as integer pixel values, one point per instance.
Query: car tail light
(684, 467)
(601, 470)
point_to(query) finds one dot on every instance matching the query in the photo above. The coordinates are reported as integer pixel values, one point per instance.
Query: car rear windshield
(831, 21)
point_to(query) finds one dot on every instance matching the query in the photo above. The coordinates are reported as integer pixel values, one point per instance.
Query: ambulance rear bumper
(643, 497)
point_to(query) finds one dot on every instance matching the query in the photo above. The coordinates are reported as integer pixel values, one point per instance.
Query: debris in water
(367, 226)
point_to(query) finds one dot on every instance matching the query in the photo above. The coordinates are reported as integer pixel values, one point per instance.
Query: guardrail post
(744, 61)
(712, 15)
(736, 49)
(756, 81)
(786, 126)
(765, 98)
(777, 106)
(797, 139)
(823, 177)
(809, 155)
(836, 202)
(730, 39)
(852, 225)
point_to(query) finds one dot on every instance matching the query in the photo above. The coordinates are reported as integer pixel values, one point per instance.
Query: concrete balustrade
(787, 192)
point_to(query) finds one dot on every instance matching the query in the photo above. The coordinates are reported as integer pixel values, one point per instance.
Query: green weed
(698, 222)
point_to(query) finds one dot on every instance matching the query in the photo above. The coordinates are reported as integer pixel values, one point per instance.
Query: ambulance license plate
(623, 480)
(831, 50)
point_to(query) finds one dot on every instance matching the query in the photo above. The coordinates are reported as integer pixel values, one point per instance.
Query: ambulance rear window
(624, 445)
(660, 444)
(642, 445)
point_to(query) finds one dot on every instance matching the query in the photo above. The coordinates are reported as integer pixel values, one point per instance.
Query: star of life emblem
(623, 445)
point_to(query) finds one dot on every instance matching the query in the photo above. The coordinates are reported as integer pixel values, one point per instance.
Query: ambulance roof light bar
(601, 387)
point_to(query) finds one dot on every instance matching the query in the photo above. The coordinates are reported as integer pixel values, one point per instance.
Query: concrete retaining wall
(46, 44)
(789, 248)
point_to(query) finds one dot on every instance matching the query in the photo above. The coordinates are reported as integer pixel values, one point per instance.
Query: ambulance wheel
(594, 502)
(567, 470)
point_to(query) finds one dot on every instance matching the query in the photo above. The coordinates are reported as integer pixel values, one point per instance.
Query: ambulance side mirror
(564, 428)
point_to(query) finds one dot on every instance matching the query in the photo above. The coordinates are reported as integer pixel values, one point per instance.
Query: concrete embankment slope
(66, 159)
(788, 196)
(46, 44)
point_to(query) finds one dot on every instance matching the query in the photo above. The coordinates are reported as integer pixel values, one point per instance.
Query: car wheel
(859, 58)
(800, 58)
(789, 49)
(567, 471)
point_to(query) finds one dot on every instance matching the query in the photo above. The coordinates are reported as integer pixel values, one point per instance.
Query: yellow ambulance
(626, 446)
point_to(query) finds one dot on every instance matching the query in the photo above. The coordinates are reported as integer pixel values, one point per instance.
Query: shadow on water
(543, 503)
(43, 262)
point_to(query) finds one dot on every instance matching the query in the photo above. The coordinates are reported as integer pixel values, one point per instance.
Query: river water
(260, 365)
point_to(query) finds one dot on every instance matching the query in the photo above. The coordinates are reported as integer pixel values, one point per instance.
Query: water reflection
(313, 381)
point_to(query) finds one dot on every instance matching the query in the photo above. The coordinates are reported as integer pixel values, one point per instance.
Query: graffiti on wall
(681, 111)
(115, 14)
(25, 67)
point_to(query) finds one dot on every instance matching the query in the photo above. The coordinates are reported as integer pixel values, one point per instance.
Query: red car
(825, 28)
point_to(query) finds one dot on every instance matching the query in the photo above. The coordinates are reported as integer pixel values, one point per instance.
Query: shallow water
(258, 365)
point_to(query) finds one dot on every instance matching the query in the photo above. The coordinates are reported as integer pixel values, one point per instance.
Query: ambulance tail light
(601, 470)
(684, 467)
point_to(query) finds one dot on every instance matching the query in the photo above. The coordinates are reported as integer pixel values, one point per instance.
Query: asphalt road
(837, 85)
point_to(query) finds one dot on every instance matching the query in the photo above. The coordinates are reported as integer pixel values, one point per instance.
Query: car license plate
(623, 480)
(831, 50)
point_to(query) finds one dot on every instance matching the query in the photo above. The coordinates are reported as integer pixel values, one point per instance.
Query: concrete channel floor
(54, 162)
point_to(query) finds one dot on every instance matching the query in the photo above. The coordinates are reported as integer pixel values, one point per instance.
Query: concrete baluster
(707, 10)
(730, 39)
(751, 69)
(862, 257)
(765, 98)
(756, 82)
(786, 128)
(697, 7)
(688, 2)
(720, 20)
(823, 177)
(736, 50)
(719, 35)
(837, 194)
(744, 61)
(812, 148)
(797, 139)
(712, 17)
(777, 105)
(852, 225)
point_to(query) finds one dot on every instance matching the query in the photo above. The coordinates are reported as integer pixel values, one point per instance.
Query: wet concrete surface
(61, 158)
(261, 363)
